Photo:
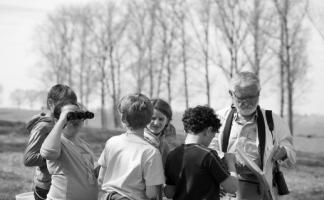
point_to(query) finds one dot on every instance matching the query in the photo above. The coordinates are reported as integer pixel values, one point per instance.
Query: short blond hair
(136, 110)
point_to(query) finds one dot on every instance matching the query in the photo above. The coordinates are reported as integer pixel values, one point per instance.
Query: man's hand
(222, 192)
(279, 154)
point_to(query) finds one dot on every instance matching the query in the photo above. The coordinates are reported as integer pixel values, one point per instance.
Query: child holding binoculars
(39, 127)
(69, 159)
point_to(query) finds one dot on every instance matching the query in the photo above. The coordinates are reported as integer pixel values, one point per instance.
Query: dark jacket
(38, 127)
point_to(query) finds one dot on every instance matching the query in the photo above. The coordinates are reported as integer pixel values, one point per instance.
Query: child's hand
(230, 160)
(64, 112)
(96, 171)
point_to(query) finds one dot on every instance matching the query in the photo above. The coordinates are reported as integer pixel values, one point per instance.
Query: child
(69, 159)
(131, 168)
(39, 127)
(192, 170)
(159, 132)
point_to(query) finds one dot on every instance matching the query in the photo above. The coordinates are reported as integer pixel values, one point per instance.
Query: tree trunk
(256, 37)
(169, 77)
(114, 93)
(163, 55)
(282, 71)
(184, 62)
(82, 64)
(288, 68)
(206, 52)
(151, 74)
(207, 75)
(103, 95)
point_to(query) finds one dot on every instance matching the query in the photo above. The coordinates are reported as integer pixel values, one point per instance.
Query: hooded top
(38, 127)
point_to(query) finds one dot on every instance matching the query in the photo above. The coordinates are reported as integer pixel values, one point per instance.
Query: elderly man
(245, 126)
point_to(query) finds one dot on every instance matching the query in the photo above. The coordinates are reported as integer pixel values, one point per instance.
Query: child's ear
(51, 104)
(123, 118)
(210, 131)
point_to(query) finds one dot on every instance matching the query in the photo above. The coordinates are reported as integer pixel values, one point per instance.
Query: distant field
(17, 115)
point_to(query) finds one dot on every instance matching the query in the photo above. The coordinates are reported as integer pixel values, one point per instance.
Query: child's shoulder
(112, 138)
(40, 122)
(116, 139)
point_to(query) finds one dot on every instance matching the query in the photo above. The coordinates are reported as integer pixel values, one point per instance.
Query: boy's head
(58, 107)
(136, 111)
(72, 127)
(60, 93)
(201, 119)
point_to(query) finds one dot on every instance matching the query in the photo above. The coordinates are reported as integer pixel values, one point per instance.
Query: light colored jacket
(281, 136)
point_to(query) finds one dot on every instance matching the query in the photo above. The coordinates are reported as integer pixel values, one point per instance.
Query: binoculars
(77, 115)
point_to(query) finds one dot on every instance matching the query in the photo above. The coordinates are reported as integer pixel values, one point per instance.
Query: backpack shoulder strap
(227, 129)
(262, 131)
(261, 134)
(269, 118)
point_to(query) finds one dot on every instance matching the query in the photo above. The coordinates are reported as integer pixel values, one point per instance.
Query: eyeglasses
(245, 98)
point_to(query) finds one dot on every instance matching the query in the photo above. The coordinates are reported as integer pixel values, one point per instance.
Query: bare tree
(84, 62)
(99, 52)
(181, 12)
(316, 15)
(231, 25)
(168, 36)
(203, 37)
(56, 45)
(109, 32)
(139, 45)
(261, 26)
(139, 17)
(33, 97)
(115, 28)
(291, 14)
(152, 9)
(18, 97)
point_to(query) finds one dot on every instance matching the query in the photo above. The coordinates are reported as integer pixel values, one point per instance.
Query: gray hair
(243, 79)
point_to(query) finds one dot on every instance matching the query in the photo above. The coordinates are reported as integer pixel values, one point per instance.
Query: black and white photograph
(161, 99)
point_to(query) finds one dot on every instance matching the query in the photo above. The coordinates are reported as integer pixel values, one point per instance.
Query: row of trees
(173, 48)
(30, 97)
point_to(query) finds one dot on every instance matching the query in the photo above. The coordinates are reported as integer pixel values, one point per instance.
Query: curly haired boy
(192, 170)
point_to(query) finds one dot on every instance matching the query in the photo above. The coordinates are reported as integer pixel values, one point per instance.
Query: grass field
(306, 180)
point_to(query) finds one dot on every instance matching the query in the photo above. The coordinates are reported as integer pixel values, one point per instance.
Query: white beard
(247, 111)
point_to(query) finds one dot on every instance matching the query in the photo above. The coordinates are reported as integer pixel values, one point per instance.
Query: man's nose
(244, 102)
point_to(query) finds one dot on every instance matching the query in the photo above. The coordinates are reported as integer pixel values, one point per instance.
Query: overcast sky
(18, 19)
